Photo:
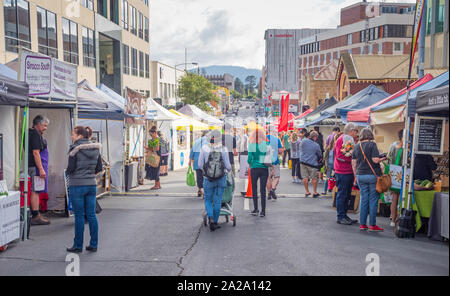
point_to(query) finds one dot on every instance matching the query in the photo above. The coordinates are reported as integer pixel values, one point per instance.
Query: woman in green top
(395, 156)
(257, 148)
(287, 147)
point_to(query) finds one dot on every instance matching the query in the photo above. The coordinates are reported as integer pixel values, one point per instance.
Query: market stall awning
(112, 94)
(389, 115)
(8, 72)
(315, 114)
(95, 104)
(198, 114)
(401, 100)
(433, 101)
(363, 115)
(195, 124)
(307, 112)
(158, 113)
(13, 92)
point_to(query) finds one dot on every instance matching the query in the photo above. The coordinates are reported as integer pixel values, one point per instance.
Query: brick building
(321, 86)
(365, 29)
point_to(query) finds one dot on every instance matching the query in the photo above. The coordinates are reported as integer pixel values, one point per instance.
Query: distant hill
(240, 72)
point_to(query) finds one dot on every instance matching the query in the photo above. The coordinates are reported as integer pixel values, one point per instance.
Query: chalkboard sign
(430, 135)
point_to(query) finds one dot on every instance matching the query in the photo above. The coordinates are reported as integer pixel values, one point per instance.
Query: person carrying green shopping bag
(190, 178)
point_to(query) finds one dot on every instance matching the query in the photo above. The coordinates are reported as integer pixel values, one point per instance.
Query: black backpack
(214, 168)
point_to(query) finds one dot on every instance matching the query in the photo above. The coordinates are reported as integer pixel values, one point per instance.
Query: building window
(141, 26)
(380, 48)
(398, 47)
(124, 19)
(399, 31)
(147, 66)
(134, 70)
(47, 33)
(371, 49)
(440, 16)
(141, 64)
(363, 36)
(133, 21)
(17, 24)
(349, 39)
(88, 4)
(88, 47)
(146, 29)
(126, 59)
(70, 41)
(114, 11)
(101, 7)
(146, 2)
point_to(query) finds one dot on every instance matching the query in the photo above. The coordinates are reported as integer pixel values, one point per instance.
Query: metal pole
(25, 190)
(421, 65)
(176, 88)
(413, 157)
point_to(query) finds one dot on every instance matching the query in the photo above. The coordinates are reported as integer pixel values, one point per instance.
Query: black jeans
(199, 174)
(286, 153)
(296, 168)
(262, 175)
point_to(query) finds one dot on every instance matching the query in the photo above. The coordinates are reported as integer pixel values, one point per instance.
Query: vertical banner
(284, 115)
(418, 23)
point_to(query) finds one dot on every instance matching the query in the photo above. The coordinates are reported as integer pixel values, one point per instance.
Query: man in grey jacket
(310, 156)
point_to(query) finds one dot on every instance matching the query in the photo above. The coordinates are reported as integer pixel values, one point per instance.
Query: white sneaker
(392, 224)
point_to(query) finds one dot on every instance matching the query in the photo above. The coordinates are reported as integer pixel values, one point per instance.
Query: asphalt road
(162, 234)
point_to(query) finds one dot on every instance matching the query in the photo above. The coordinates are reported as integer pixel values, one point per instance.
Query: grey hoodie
(84, 163)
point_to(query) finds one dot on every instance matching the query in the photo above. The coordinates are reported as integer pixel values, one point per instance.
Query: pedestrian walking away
(38, 157)
(295, 157)
(286, 138)
(343, 150)
(309, 160)
(84, 163)
(214, 160)
(366, 166)
(153, 150)
(165, 151)
(274, 170)
(193, 161)
(257, 149)
(229, 142)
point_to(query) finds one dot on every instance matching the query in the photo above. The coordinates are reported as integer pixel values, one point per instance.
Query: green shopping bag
(190, 178)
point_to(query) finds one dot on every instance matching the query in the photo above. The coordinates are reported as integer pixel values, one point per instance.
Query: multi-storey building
(109, 40)
(225, 80)
(164, 83)
(281, 59)
(436, 40)
(366, 28)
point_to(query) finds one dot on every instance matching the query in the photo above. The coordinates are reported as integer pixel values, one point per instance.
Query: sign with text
(48, 77)
(430, 135)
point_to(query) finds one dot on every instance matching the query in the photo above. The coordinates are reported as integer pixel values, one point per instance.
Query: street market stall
(316, 113)
(198, 114)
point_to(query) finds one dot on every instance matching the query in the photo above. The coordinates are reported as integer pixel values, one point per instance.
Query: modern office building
(164, 83)
(109, 40)
(436, 40)
(365, 28)
(281, 59)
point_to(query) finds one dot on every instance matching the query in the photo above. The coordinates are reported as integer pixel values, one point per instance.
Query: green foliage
(250, 83)
(239, 86)
(236, 94)
(196, 90)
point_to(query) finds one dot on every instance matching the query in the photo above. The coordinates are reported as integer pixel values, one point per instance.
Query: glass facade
(17, 24)
(126, 59)
(134, 61)
(47, 32)
(70, 41)
(124, 18)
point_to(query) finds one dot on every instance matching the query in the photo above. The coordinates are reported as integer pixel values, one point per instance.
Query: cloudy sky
(231, 32)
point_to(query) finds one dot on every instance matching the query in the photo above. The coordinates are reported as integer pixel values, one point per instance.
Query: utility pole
(421, 66)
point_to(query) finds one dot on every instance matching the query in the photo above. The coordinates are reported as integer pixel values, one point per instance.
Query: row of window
(435, 10)
(386, 31)
(138, 24)
(144, 62)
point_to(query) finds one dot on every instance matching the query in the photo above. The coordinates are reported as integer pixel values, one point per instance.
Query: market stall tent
(364, 98)
(363, 115)
(433, 101)
(197, 113)
(313, 115)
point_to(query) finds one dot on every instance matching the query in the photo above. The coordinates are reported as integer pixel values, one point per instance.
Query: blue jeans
(344, 183)
(369, 198)
(213, 196)
(83, 202)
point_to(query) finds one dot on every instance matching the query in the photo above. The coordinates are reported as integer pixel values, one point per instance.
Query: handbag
(153, 159)
(384, 182)
(331, 183)
(190, 178)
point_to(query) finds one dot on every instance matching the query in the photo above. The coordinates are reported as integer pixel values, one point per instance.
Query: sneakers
(375, 228)
(74, 250)
(392, 224)
(344, 222)
(262, 214)
(274, 196)
(254, 212)
(350, 219)
(39, 220)
(363, 227)
(91, 249)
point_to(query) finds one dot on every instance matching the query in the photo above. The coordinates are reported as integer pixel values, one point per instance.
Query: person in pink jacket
(344, 172)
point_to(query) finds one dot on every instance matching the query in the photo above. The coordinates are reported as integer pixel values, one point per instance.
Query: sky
(231, 32)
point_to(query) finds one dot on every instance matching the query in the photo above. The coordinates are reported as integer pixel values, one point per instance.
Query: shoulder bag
(384, 182)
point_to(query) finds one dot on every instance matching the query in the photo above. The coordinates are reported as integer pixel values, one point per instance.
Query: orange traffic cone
(249, 186)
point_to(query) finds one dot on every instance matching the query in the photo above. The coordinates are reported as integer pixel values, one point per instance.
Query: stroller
(227, 202)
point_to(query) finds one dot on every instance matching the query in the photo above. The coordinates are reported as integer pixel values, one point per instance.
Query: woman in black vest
(84, 163)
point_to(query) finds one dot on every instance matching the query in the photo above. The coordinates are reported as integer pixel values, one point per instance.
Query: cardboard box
(9, 217)
(354, 201)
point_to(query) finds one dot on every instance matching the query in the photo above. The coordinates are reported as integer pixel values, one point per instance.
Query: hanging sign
(48, 77)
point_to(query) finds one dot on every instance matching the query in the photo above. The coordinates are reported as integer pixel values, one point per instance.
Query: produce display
(423, 185)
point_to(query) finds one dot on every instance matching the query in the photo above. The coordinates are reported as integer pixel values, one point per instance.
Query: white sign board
(9, 218)
(48, 77)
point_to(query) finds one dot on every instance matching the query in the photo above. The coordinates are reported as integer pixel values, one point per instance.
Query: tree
(236, 94)
(250, 84)
(238, 85)
(196, 90)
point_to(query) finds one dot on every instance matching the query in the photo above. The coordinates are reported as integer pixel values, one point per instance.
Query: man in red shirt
(344, 172)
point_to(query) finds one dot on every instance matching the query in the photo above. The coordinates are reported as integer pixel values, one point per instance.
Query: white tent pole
(413, 157)
(25, 161)
(107, 140)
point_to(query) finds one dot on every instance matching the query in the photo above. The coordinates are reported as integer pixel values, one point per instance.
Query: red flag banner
(284, 115)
